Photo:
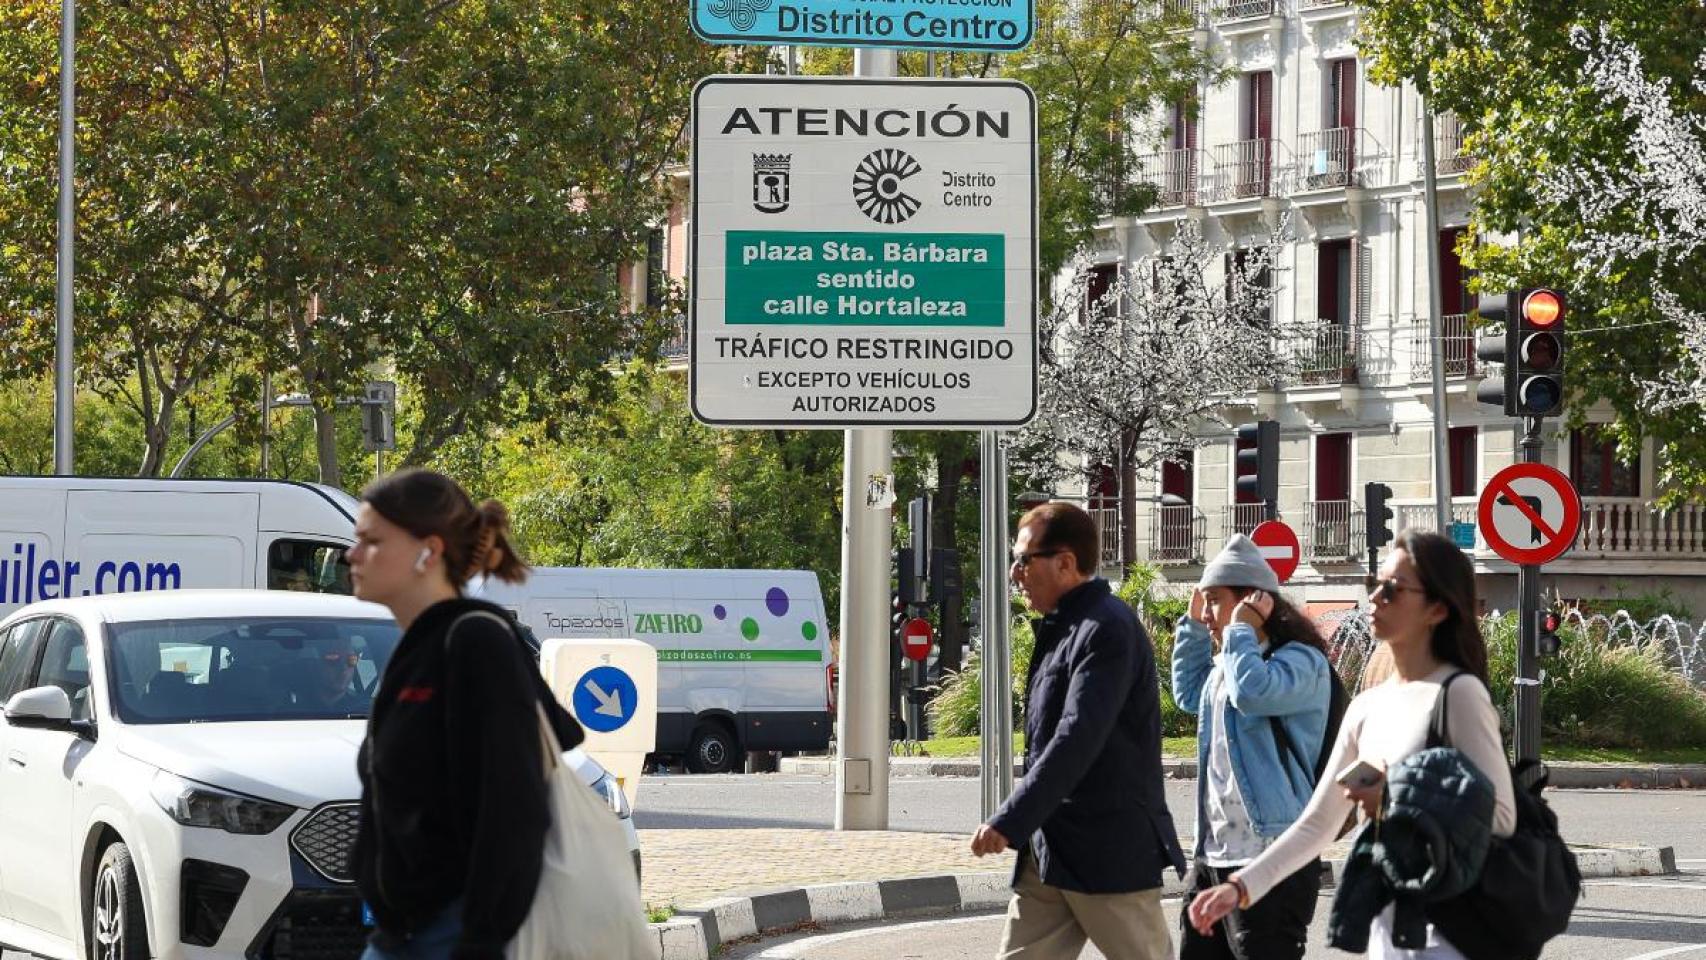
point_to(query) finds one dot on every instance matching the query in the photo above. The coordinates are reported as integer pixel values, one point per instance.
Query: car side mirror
(45, 708)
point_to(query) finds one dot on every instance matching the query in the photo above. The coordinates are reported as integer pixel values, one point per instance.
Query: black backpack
(1339, 699)
(1530, 882)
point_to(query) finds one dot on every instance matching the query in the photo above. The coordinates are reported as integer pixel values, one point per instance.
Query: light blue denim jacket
(1292, 685)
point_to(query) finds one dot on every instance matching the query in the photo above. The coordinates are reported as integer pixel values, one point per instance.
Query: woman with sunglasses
(1254, 670)
(454, 808)
(1425, 610)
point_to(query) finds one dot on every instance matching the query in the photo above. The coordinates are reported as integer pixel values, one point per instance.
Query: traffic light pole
(1528, 639)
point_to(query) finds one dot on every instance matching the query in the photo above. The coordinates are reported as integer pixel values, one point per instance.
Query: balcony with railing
(1108, 527)
(1177, 535)
(1449, 153)
(1332, 531)
(1334, 159)
(1242, 518)
(1231, 11)
(1459, 348)
(1248, 170)
(1326, 355)
(674, 348)
(1176, 176)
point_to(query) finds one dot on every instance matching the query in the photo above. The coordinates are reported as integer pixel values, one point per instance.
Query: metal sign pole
(1436, 331)
(996, 725)
(1528, 609)
(65, 384)
(862, 768)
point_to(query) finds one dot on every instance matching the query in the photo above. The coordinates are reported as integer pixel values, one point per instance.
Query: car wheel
(118, 930)
(712, 750)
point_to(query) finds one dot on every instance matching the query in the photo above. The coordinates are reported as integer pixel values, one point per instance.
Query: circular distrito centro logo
(878, 182)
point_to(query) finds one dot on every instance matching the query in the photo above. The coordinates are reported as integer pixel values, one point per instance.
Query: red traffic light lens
(1543, 308)
(1549, 621)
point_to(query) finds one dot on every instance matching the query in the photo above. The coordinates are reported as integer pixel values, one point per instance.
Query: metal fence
(1449, 153)
(1333, 531)
(1242, 518)
(1327, 159)
(1177, 535)
(1175, 174)
(1459, 347)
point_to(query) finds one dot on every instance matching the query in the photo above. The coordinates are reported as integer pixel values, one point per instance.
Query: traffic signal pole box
(1531, 348)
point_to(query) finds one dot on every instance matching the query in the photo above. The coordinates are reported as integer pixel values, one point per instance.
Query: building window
(1236, 263)
(657, 276)
(1460, 443)
(1341, 106)
(1333, 466)
(1096, 290)
(1333, 302)
(1595, 468)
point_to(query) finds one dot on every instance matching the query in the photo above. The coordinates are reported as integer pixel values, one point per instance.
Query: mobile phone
(1360, 775)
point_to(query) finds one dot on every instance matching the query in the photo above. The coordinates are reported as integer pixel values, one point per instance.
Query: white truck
(743, 655)
(83, 536)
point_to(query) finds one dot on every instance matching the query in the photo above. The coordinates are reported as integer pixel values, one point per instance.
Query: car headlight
(198, 805)
(613, 795)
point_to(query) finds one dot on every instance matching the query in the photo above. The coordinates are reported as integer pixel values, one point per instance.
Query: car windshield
(247, 668)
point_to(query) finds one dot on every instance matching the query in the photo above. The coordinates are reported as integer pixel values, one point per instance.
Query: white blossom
(1132, 377)
(1651, 203)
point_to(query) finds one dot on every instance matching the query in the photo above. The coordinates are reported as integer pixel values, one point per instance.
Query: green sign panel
(866, 279)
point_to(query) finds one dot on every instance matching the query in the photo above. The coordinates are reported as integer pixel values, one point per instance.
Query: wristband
(1243, 892)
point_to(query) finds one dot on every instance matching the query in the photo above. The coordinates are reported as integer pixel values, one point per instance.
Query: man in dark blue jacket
(1089, 819)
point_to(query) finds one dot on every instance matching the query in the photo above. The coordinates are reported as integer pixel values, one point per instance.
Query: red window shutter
(1333, 466)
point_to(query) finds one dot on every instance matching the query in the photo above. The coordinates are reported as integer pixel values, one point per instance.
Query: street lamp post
(64, 462)
(288, 400)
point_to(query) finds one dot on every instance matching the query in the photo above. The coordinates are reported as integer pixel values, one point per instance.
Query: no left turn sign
(1530, 514)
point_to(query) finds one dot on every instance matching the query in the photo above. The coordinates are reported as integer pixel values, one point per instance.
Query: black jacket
(453, 800)
(1428, 847)
(1091, 806)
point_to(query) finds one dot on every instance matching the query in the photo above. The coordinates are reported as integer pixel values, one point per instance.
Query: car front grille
(327, 838)
(314, 925)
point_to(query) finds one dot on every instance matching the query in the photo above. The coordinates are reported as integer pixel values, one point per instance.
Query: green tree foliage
(638, 483)
(321, 186)
(1511, 72)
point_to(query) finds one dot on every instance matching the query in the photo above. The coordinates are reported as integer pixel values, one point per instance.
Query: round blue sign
(605, 699)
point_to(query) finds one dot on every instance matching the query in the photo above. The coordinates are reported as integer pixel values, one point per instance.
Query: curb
(700, 931)
(1172, 768)
(1566, 774)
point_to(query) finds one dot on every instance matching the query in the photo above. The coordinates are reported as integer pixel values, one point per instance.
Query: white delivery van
(743, 655)
(81, 536)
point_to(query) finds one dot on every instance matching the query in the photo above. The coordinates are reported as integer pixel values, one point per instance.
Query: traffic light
(910, 591)
(1377, 500)
(1258, 463)
(1531, 349)
(1547, 623)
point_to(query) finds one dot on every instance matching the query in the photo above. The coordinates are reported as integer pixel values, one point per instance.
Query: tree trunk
(326, 445)
(157, 432)
(1128, 510)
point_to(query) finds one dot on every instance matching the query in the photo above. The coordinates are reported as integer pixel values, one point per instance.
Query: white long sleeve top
(1383, 725)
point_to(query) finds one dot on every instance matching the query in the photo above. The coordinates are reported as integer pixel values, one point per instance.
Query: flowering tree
(1132, 375)
(1648, 206)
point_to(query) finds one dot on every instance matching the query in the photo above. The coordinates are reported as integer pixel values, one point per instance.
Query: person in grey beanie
(1254, 670)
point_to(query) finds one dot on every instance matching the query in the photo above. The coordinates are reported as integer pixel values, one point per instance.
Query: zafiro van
(743, 655)
(80, 536)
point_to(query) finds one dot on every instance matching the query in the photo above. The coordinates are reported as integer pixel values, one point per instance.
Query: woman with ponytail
(454, 808)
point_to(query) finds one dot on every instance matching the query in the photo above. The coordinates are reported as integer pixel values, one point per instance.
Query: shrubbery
(1598, 693)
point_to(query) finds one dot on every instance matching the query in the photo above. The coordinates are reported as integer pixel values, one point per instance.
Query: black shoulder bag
(1530, 882)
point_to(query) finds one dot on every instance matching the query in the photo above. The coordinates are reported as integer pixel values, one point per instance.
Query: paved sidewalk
(687, 866)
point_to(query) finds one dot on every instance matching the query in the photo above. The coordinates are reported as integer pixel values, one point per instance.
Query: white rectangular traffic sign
(864, 253)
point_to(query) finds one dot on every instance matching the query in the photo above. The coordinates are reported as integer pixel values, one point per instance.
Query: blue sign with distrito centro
(605, 699)
(998, 25)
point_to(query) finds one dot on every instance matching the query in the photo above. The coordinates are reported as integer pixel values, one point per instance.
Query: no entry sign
(863, 253)
(1279, 546)
(915, 637)
(1530, 513)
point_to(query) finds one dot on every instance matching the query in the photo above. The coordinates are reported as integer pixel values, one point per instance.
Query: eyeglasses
(1024, 560)
(1386, 591)
(340, 659)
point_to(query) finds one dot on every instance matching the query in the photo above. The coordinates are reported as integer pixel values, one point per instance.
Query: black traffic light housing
(1531, 349)
(1258, 463)
(1377, 502)
(1546, 624)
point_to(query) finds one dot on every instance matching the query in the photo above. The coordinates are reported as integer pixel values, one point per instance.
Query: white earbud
(421, 561)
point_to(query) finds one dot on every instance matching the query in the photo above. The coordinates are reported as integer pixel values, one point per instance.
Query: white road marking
(1670, 951)
(1678, 885)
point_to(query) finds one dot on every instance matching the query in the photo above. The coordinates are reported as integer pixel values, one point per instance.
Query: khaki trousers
(1047, 923)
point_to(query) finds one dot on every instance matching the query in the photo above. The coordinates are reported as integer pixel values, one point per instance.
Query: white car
(179, 775)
